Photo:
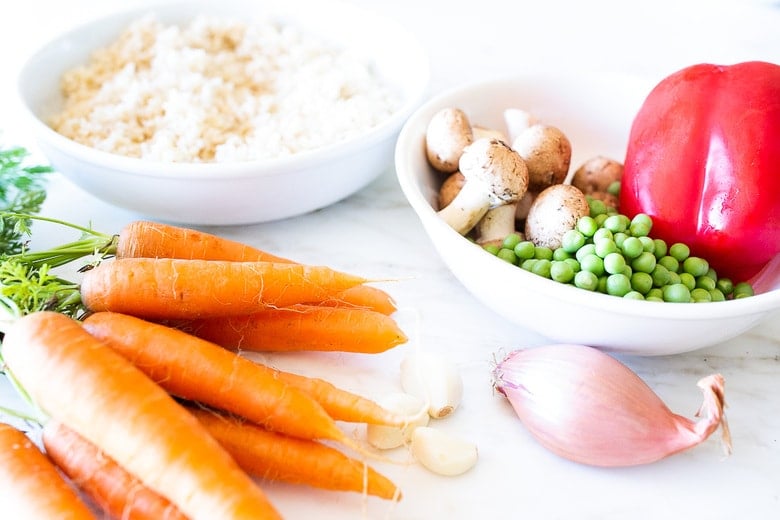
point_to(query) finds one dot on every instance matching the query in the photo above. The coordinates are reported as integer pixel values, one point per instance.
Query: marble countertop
(375, 231)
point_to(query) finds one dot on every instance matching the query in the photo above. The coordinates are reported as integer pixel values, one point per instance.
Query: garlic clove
(443, 453)
(389, 437)
(588, 407)
(435, 380)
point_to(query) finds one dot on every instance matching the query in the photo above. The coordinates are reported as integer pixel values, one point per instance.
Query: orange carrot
(109, 485)
(80, 381)
(30, 484)
(145, 239)
(301, 327)
(272, 456)
(198, 370)
(341, 404)
(164, 288)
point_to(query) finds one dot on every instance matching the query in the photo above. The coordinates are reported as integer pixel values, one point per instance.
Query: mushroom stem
(497, 223)
(467, 208)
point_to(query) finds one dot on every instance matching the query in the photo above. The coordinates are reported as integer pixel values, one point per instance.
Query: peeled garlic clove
(389, 437)
(433, 379)
(586, 406)
(443, 453)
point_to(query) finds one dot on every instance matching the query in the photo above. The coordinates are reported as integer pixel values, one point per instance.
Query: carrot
(80, 381)
(301, 327)
(145, 239)
(276, 457)
(341, 404)
(30, 484)
(109, 485)
(164, 288)
(198, 370)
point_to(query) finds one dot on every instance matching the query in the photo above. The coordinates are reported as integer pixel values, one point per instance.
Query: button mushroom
(554, 212)
(547, 153)
(595, 177)
(495, 175)
(448, 133)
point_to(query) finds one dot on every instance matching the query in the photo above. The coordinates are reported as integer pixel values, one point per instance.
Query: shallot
(588, 407)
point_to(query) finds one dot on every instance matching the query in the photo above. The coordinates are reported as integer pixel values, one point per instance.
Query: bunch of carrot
(151, 416)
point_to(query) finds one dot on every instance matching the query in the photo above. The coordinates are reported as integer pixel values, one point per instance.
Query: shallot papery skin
(588, 407)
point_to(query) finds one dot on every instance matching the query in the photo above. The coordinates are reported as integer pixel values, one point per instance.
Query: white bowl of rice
(224, 113)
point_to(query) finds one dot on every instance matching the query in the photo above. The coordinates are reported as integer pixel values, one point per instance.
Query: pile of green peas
(609, 253)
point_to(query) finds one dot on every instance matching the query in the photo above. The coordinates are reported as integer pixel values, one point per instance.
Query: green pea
(543, 253)
(597, 207)
(641, 282)
(695, 266)
(674, 278)
(602, 233)
(717, 296)
(511, 240)
(627, 271)
(677, 293)
(586, 225)
(587, 249)
(701, 295)
(648, 244)
(705, 282)
(712, 274)
(632, 247)
(614, 263)
(615, 223)
(618, 284)
(614, 188)
(654, 299)
(561, 272)
(670, 262)
(644, 263)
(655, 292)
(742, 290)
(600, 218)
(592, 263)
(575, 265)
(542, 267)
(525, 249)
(561, 254)
(659, 248)
(586, 280)
(679, 251)
(660, 275)
(640, 225)
(572, 240)
(507, 255)
(634, 295)
(491, 248)
(725, 285)
(528, 264)
(605, 246)
(602, 287)
(619, 238)
(688, 281)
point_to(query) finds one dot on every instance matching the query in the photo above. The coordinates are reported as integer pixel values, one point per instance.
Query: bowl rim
(408, 146)
(218, 171)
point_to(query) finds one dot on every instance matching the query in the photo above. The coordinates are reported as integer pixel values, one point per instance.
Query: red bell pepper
(703, 160)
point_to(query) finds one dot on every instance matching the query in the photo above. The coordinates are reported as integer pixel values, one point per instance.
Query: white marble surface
(375, 233)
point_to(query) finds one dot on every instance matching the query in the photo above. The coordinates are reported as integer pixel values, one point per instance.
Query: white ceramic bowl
(595, 113)
(240, 192)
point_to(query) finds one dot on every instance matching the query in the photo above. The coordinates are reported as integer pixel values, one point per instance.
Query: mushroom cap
(554, 212)
(597, 174)
(448, 133)
(494, 165)
(450, 188)
(547, 153)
